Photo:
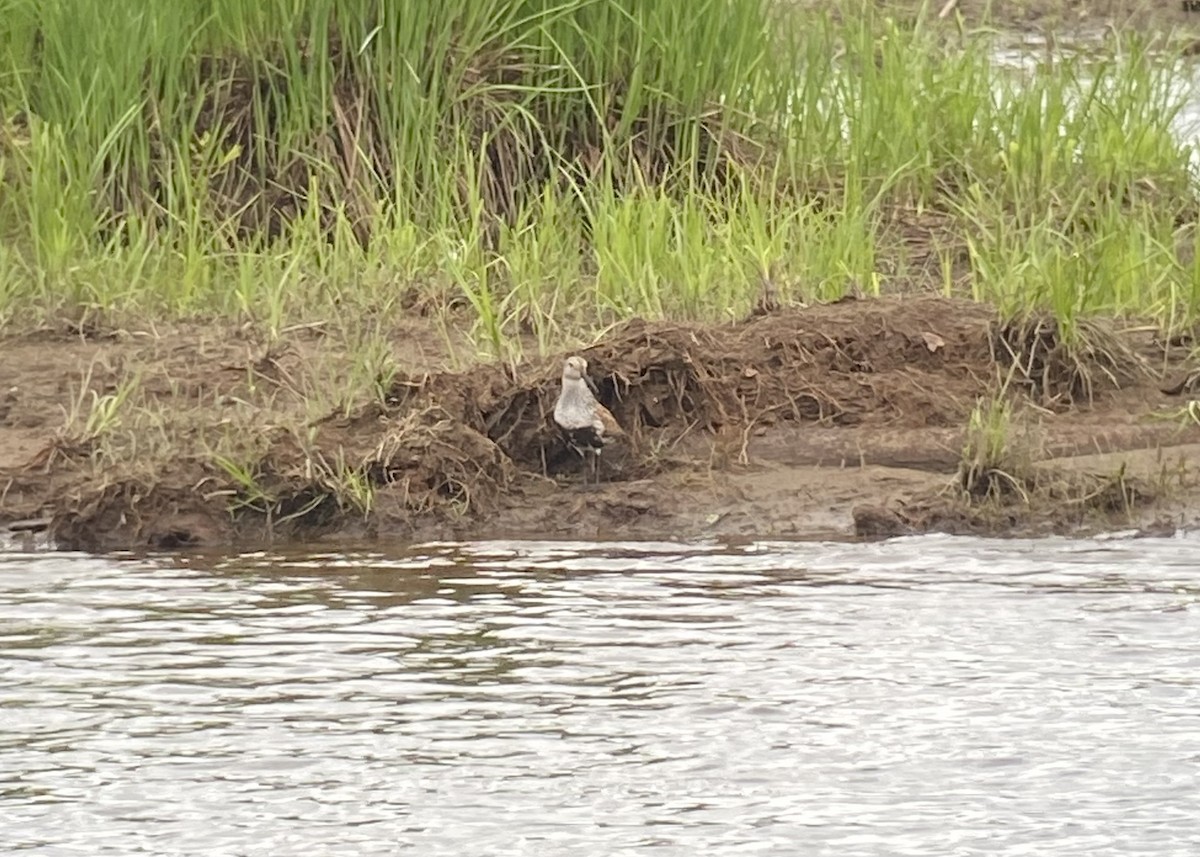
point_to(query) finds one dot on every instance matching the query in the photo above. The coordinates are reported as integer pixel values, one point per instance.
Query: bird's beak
(591, 385)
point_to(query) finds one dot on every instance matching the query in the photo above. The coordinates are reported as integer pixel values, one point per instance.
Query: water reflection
(1028, 52)
(930, 695)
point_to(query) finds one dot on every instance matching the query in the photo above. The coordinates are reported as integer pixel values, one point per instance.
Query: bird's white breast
(576, 406)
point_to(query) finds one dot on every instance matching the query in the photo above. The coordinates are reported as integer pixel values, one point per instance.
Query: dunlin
(587, 425)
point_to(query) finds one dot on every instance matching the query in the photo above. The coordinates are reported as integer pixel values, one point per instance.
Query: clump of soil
(429, 462)
(1061, 372)
(915, 362)
(1003, 482)
(1042, 501)
(138, 514)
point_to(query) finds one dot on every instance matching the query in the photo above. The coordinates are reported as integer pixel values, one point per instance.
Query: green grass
(993, 463)
(554, 167)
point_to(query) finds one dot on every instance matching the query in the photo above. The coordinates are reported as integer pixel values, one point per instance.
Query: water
(922, 696)
(1026, 51)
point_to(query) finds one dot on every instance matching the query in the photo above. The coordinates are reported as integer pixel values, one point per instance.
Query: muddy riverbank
(835, 419)
(867, 417)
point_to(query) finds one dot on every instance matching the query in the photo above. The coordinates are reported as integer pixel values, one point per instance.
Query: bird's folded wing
(612, 428)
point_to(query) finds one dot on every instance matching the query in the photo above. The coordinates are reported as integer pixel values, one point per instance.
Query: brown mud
(840, 419)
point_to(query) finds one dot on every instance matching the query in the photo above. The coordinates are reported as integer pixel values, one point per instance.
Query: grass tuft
(549, 168)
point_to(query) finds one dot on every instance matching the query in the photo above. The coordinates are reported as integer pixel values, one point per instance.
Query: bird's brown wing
(612, 428)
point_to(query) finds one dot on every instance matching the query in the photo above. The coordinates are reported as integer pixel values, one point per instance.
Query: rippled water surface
(922, 696)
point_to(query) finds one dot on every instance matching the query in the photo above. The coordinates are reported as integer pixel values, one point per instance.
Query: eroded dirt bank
(836, 419)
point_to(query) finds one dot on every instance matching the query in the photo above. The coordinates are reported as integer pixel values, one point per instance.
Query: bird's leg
(585, 458)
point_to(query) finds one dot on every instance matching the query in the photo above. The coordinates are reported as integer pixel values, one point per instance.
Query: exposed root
(1186, 383)
(1061, 372)
(429, 462)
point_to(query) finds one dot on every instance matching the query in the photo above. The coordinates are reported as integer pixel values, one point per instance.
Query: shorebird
(586, 425)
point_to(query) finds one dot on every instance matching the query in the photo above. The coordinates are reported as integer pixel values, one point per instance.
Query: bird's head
(574, 368)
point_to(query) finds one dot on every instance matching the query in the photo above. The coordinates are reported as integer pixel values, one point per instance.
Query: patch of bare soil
(829, 420)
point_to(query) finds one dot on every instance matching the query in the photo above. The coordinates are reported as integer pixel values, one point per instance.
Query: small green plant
(349, 484)
(94, 416)
(991, 465)
(249, 492)
(1189, 414)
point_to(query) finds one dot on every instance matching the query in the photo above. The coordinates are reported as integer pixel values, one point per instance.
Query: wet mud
(842, 419)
